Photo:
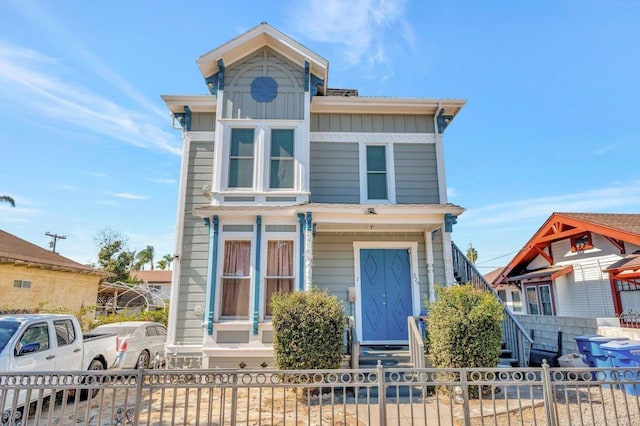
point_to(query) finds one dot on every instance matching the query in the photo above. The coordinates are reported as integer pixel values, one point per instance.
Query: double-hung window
(281, 164)
(279, 277)
(236, 280)
(377, 172)
(241, 158)
(539, 300)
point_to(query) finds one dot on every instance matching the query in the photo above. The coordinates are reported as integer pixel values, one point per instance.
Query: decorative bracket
(449, 221)
(184, 118)
(443, 121)
(215, 81)
(306, 76)
(315, 82)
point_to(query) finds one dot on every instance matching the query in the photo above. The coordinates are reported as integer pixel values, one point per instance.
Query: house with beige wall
(31, 276)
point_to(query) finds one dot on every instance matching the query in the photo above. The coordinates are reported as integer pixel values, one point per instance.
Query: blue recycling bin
(625, 354)
(589, 346)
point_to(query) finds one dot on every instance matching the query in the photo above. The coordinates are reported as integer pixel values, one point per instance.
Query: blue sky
(550, 123)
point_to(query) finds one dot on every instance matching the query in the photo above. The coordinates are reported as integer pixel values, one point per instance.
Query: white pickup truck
(48, 342)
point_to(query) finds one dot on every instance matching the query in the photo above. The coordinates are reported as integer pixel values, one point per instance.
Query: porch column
(447, 249)
(301, 221)
(213, 265)
(428, 247)
(308, 252)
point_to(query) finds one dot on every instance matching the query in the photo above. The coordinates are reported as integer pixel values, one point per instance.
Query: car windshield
(7, 329)
(119, 330)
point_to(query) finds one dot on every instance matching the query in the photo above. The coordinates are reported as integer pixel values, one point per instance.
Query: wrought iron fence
(377, 396)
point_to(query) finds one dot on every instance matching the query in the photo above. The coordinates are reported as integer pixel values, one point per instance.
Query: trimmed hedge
(465, 328)
(308, 330)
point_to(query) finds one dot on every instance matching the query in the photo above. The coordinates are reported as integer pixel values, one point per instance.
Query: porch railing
(515, 336)
(416, 343)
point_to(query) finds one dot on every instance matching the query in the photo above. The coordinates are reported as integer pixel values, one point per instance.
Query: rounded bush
(308, 330)
(465, 328)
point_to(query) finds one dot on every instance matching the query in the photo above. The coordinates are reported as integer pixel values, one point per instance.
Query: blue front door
(385, 277)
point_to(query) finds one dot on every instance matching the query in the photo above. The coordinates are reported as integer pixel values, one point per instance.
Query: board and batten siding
(203, 122)
(192, 286)
(333, 259)
(335, 176)
(416, 172)
(372, 123)
(289, 102)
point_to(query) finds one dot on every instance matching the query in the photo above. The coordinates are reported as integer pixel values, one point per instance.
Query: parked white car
(141, 344)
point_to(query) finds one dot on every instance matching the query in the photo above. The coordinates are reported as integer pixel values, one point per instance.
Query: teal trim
(220, 74)
(213, 266)
(301, 221)
(449, 221)
(184, 118)
(212, 84)
(256, 282)
(306, 76)
(443, 121)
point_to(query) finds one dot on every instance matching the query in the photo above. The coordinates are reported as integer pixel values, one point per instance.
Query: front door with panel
(385, 277)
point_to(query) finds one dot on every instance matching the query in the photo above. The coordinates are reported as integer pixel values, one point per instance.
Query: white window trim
(412, 246)
(262, 157)
(235, 236)
(276, 236)
(539, 298)
(391, 176)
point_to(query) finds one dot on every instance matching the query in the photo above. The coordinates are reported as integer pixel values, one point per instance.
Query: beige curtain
(236, 275)
(279, 270)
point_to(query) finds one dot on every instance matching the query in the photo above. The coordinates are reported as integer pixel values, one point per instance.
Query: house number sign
(264, 89)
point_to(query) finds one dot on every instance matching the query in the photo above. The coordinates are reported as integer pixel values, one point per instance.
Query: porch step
(394, 356)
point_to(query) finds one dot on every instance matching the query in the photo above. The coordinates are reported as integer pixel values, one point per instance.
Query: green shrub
(161, 316)
(464, 328)
(307, 330)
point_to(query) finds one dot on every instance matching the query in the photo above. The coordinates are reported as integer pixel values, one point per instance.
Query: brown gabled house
(578, 265)
(31, 276)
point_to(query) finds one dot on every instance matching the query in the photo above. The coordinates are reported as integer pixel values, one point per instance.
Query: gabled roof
(617, 227)
(256, 38)
(20, 252)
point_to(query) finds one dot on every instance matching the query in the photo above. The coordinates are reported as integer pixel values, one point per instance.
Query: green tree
(472, 254)
(143, 257)
(165, 262)
(7, 199)
(113, 255)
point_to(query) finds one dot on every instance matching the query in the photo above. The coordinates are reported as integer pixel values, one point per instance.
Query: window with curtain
(236, 279)
(241, 158)
(376, 172)
(282, 163)
(279, 270)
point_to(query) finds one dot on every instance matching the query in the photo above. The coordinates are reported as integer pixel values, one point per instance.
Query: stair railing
(515, 336)
(416, 343)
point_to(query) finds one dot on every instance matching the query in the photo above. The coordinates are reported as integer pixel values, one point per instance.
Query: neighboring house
(578, 265)
(287, 184)
(31, 276)
(508, 293)
(158, 281)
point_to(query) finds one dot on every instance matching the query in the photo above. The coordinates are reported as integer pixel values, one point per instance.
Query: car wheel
(143, 359)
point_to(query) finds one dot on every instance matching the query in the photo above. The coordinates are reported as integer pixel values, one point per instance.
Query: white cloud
(365, 29)
(128, 196)
(614, 199)
(39, 84)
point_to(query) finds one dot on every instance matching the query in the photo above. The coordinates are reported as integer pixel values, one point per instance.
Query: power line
(499, 257)
(54, 240)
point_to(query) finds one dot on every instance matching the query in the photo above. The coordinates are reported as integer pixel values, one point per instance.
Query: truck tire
(83, 394)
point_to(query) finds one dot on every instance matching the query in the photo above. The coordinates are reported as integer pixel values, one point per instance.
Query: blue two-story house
(287, 184)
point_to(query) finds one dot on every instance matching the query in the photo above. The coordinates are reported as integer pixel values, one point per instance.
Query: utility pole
(54, 240)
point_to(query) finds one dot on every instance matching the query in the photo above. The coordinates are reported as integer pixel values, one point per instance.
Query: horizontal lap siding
(335, 177)
(195, 245)
(416, 173)
(371, 123)
(289, 102)
(333, 259)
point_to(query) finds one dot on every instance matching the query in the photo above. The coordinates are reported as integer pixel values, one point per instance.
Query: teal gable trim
(449, 221)
(215, 81)
(256, 281)
(315, 82)
(220, 74)
(184, 118)
(443, 121)
(306, 76)
(213, 265)
(301, 221)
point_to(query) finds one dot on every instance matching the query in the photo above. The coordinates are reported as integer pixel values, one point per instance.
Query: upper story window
(377, 172)
(21, 284)
(581, 242)
(241, 158)
(282, 159)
